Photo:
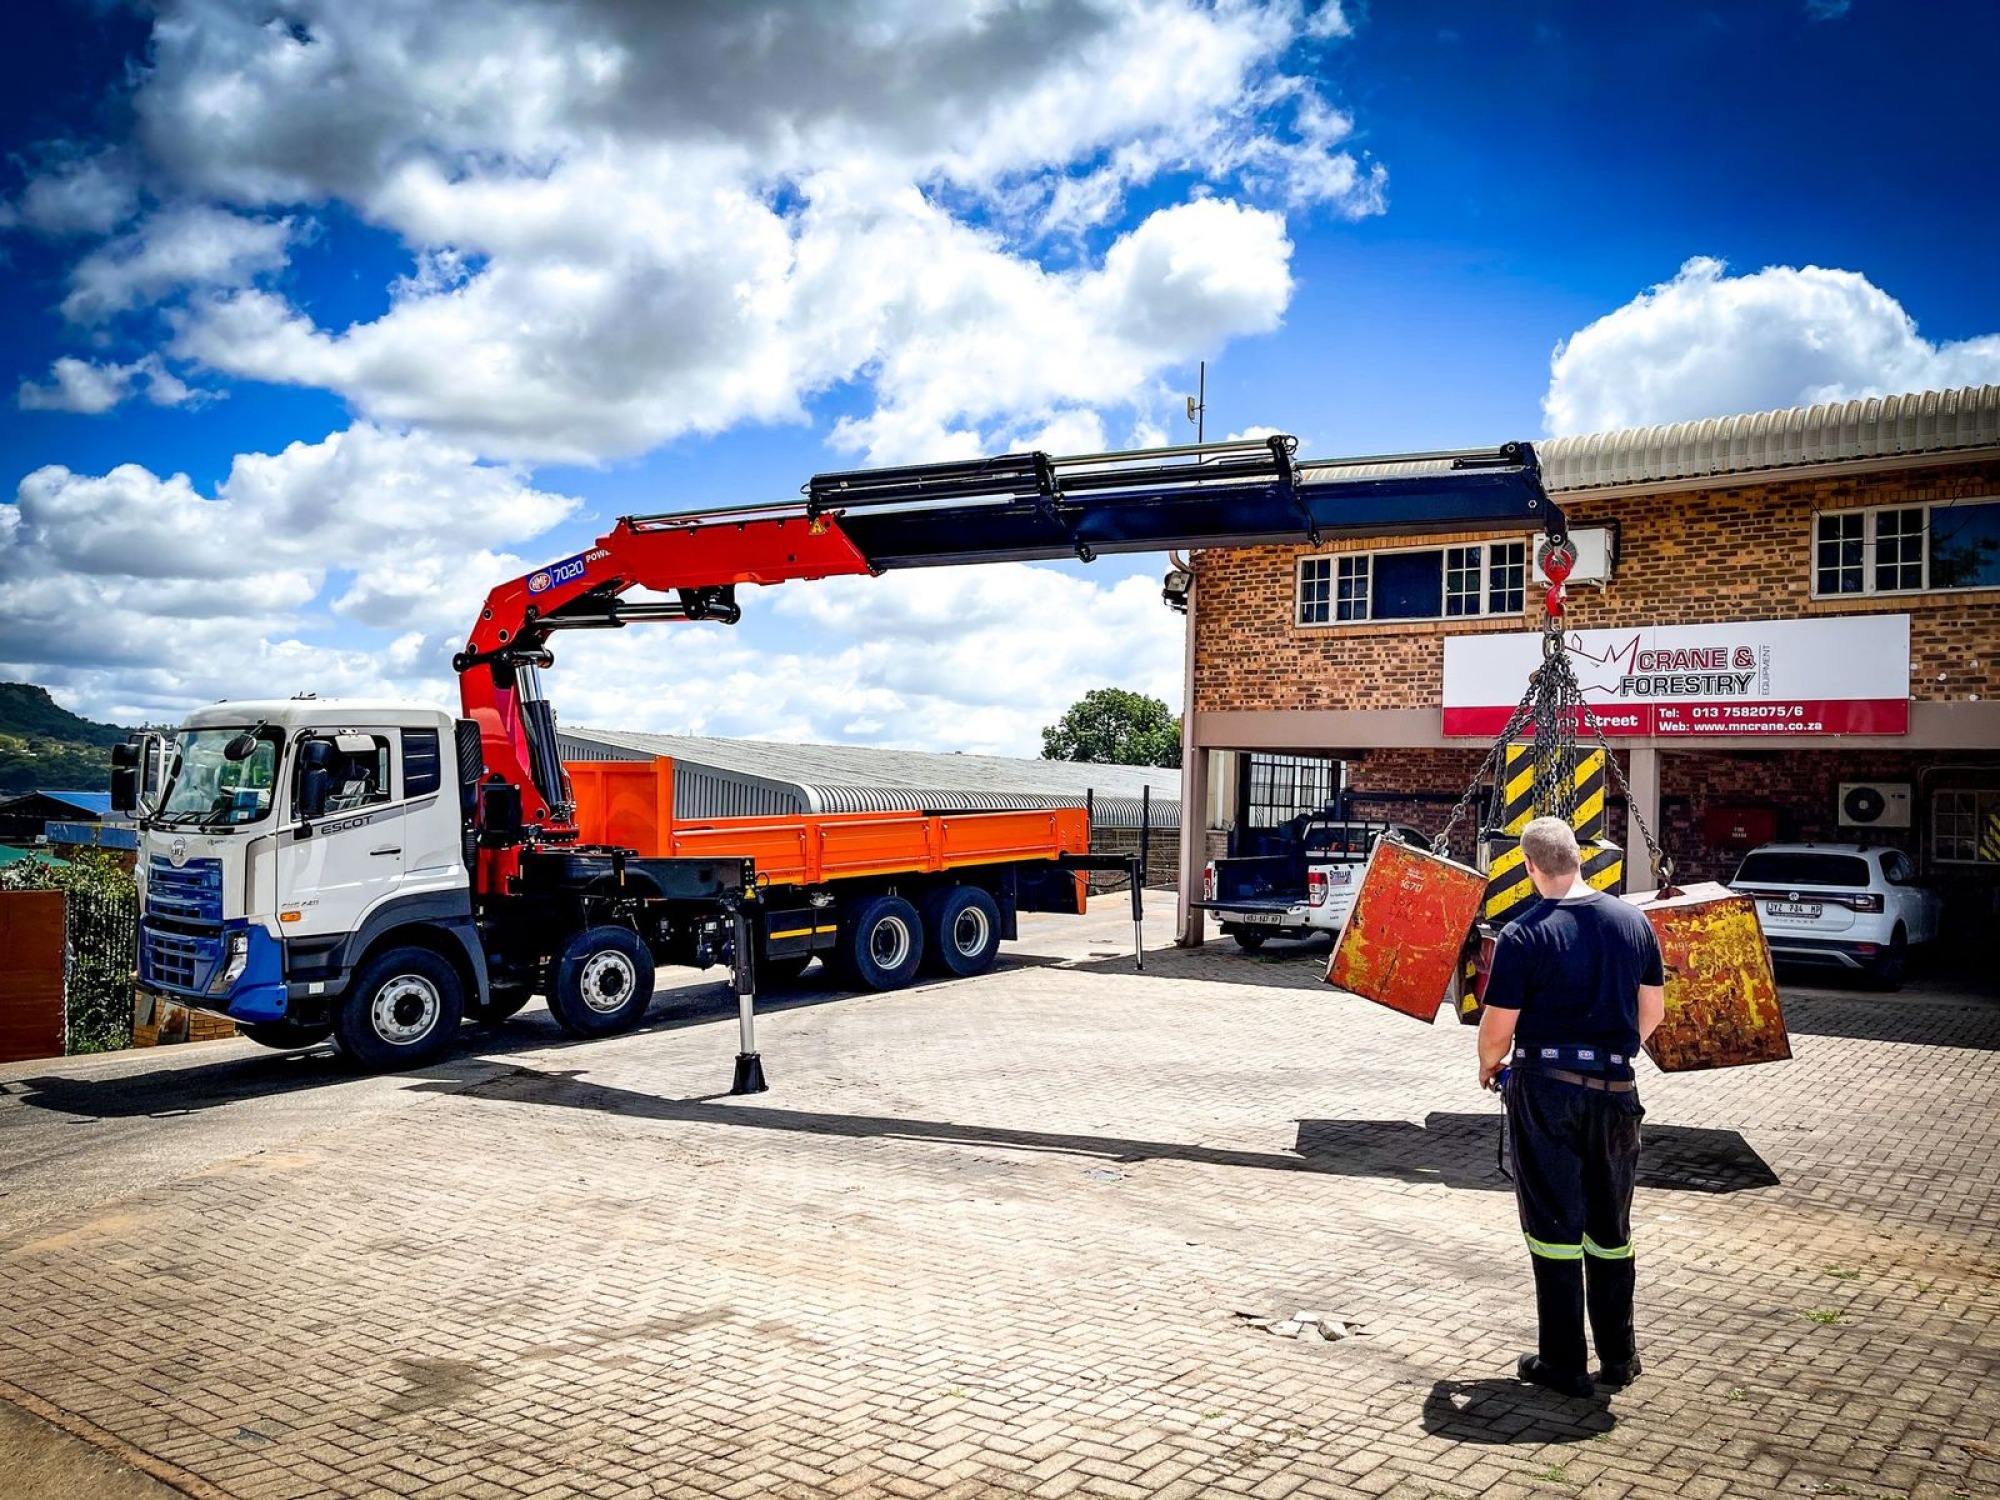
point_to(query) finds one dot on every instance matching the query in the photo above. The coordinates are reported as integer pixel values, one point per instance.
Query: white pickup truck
(1295, 894)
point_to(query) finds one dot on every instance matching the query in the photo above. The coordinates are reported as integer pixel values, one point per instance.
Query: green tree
(1112, 727)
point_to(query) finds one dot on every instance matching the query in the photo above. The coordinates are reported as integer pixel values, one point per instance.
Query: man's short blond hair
(1550, 845)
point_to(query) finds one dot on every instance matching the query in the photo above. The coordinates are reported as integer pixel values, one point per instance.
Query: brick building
(1783, 607)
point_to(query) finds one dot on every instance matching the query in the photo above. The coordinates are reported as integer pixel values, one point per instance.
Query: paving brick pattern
(995, 1238)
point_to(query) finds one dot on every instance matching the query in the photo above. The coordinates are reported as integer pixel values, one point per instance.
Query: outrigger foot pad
(749, 1075)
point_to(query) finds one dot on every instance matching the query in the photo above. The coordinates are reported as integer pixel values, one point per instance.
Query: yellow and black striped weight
(1509, 892)
(1517, 794)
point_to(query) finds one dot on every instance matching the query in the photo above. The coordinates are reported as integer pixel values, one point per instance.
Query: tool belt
(1591, 1067)
(1588, 1080)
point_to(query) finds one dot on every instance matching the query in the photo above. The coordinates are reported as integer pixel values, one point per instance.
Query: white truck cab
(292, 844)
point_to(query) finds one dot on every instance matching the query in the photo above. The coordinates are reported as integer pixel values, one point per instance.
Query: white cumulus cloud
(124, 577)
(1708, 344)
(633, 222)
(192, 245)
(92, 386)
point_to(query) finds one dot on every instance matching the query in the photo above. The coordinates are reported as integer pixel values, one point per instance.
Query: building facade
(1791, 620)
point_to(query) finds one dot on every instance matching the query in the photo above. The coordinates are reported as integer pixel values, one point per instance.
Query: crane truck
(374, 872)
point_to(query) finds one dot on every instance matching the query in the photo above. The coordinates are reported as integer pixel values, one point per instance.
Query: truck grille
(192, 893)
(180, 935)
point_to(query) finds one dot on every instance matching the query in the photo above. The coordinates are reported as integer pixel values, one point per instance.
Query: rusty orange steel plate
(1722, 997)
(1402, 941)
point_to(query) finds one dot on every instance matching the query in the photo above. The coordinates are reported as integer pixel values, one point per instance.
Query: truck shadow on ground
(176, 1089)
(1457, 1151)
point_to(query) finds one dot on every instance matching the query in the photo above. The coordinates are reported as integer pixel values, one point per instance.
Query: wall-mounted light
(1175, 587)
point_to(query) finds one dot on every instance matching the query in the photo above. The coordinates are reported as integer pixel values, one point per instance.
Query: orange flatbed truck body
(630, 804)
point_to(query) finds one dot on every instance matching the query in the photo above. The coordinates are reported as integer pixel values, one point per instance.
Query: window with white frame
(1965, 825)
(1903, 549)
(1422, 583)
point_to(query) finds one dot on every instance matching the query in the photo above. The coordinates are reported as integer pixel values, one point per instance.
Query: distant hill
(45, 746)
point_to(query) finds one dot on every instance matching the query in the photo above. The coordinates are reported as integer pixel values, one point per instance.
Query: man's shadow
(1463, 1151)
(1500, 1411)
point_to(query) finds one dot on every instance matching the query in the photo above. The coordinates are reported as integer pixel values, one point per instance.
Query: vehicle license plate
(1792, 908)
(1268, 918)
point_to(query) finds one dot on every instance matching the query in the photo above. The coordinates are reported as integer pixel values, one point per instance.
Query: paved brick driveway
(994, 1238)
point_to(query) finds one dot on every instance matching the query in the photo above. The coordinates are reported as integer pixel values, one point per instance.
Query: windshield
(1776, 867)
(209, 788)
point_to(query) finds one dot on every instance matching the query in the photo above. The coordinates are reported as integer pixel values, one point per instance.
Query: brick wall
(1741, 553)
(1438, 778)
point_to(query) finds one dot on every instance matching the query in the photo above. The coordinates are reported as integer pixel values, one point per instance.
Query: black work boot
(1610, 1294)
(1561, 1362)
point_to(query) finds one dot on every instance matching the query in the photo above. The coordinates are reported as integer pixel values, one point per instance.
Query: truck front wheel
(961, 931)
(603, 982)
(401, 1011)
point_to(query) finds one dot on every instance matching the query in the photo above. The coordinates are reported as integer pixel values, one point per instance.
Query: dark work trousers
(1576, 1153)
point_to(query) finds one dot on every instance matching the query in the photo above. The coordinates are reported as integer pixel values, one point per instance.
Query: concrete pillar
(1192, 928)
(1643, 777)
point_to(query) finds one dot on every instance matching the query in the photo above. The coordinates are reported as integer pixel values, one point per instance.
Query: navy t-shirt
(1573, 968)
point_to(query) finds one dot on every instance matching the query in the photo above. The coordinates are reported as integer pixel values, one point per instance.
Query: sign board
(1845, 674)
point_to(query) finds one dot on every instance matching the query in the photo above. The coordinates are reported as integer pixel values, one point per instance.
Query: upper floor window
(1429, 583)
(1905, 548)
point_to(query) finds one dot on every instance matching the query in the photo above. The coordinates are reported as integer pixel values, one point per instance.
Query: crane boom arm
(1017, 507)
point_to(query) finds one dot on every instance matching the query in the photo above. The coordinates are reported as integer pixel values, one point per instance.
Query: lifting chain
(1553, 705)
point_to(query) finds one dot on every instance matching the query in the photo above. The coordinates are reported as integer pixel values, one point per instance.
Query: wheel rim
(406, 1010)
(889, 943)
(969, 932)
(609, 978)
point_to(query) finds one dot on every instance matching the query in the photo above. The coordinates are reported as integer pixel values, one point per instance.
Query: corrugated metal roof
(1832, 432)
(720, 778)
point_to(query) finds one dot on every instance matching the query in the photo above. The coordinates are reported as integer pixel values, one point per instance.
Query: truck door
(332, 872)
(432, 830)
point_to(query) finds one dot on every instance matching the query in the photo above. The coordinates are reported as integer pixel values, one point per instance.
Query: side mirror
(125, 777)
(241, 748)
(315, 778)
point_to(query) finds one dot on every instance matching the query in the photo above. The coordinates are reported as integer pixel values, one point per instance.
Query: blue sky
(323, 317)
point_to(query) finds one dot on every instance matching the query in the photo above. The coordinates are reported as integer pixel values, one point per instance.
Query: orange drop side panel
(1722, 996)
(630, 804)
(1403, 941)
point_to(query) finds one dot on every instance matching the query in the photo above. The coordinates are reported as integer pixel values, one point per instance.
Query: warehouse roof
(1833, 432)
(728, 777)
(1879, 432)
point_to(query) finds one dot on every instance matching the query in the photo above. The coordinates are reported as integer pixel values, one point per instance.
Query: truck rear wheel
(1249, 941)
(401, 1011)
(883, 945)
(603, 982)
(961, 931)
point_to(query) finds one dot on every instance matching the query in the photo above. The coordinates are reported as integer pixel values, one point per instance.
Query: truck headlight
(238, 960)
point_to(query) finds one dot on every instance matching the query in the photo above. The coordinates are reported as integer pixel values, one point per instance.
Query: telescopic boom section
(1022, 506)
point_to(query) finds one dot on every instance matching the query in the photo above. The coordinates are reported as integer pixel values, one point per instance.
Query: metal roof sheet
(1831, 432)
(748, 778)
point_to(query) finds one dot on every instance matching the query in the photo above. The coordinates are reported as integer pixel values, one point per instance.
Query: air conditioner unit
(1596, 550)
(1874, 804)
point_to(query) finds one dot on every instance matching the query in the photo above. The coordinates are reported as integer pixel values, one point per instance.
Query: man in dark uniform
(1575, 986)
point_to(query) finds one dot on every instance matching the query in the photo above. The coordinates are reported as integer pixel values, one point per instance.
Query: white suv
(1843, 904)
